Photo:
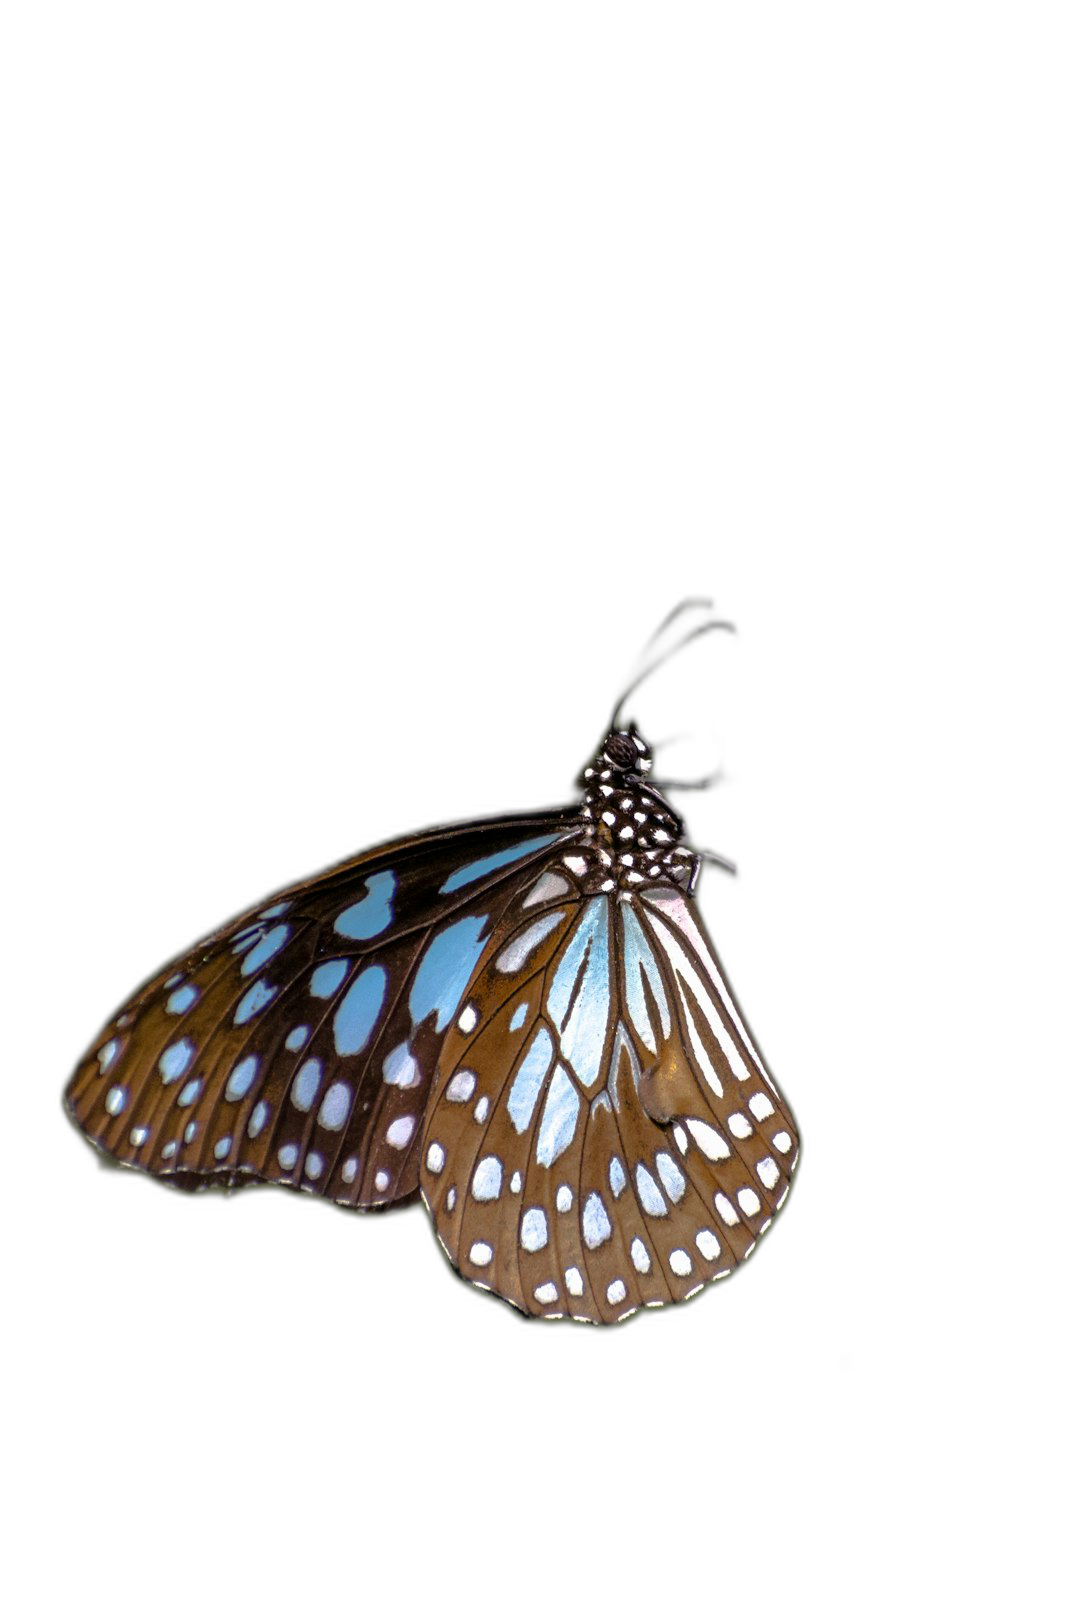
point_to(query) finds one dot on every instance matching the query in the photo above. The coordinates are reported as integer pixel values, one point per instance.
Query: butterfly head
(627, 752)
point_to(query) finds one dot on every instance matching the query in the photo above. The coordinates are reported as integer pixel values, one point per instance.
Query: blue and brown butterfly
(523, 1019)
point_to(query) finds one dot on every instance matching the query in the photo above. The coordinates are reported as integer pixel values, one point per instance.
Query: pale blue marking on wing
(371, 915)
(268, 946)
(574, 953)
(296, 1037)
(116, 1100)
(445, 970)
(400, 1068)
(528, 1080)
(559, 1119)
(638, 956)
(183, 998)
(487, 1179)
(519, 1015)
(534, 1230)
(649, 1194)
(616, 1175)
(107, 1055)
(595, 1225)
(259, 1116)
(491, 863)
(306, 1084)
(288, 1155)
(275, 911)
(335, 1106)
(582, 1018)
(513, 958)
(619, 1046)
(189, 1094)
(254, 1001)
(328, 977)
(239, 1082)
(359, 1010)
(175, 1059)
(222, 1147)
(672, 1177)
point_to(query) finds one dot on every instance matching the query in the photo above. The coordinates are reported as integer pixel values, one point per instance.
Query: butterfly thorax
(633, 836)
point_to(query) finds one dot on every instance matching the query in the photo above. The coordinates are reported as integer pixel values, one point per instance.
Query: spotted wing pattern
(608, 1136)
(298, 1043)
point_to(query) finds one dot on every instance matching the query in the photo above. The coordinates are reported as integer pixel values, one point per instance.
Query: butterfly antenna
(680, 608)
(684, 641)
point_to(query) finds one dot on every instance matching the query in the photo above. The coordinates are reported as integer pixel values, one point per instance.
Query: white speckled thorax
(633, 835)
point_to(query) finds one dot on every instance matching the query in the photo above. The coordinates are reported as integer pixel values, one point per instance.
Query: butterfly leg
(729, 865)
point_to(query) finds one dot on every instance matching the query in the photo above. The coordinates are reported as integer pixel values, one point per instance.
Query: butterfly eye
(621, 750)
(521, 1019)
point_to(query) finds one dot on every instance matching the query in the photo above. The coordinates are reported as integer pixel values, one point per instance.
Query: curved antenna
(680, 608)
(684, 641)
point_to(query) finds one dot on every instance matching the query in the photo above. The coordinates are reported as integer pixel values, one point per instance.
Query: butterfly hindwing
(298, 1043)
(608, 1137)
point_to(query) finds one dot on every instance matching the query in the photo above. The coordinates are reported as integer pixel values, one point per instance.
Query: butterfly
(522, 1018)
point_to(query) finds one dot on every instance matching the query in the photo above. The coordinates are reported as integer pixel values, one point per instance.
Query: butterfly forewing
(298, 1043)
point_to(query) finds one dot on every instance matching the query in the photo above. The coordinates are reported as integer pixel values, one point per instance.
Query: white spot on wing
(534, 1230)
(769, 1173)
(595, 1225)
(487, 1179)
(710, 1141)
(548, 887)
(399, 1133)
(461, 1086)
(708, 1244)
(401, 1068)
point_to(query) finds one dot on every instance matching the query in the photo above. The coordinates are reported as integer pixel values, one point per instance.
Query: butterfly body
(522, 1019)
